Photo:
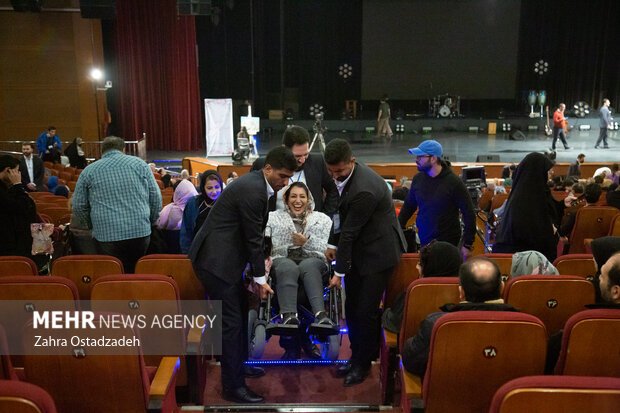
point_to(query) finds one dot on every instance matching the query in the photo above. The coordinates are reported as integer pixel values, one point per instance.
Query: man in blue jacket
(49, 145)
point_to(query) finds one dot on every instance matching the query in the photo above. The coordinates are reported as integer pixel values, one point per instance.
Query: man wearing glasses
(311, 170)
(438, 195)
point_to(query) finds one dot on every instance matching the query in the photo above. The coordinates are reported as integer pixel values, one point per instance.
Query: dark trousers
(129, 251)
(559, 133)
(602, 136)
(234, 326)
(363, 314)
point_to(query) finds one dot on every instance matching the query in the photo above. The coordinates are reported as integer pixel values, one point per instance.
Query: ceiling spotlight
(345, 71)
(581, 109)
(541, 67)
(96, 74)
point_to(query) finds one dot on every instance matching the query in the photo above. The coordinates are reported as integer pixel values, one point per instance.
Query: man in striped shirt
(118, 198)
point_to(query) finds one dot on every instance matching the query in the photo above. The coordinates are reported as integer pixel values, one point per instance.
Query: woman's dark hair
(440, 259)
(298, 185)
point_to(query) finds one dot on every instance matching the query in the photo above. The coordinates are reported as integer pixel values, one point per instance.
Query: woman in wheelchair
(299, 239)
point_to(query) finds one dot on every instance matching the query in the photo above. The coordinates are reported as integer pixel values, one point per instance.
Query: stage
(459, 144)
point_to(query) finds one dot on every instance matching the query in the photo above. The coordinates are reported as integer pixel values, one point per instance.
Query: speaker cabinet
(487, 158)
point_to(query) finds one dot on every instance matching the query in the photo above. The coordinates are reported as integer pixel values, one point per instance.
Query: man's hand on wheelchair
(335, 281)
(263, 289)
(330, 254)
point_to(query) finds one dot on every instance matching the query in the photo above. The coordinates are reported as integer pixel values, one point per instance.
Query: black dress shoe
(355, 376)
(242, 395)
(253, 372)
(291, 354)
(312, 351)
(343, 369)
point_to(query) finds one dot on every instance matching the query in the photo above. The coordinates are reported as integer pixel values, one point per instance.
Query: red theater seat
(16, 265)
(590, 343)
(21, 397)
(565, 394)
(83, 270)
(551, 298)
(582, 265)
(504, 262)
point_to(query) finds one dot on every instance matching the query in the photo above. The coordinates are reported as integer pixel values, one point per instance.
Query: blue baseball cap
(429, 147)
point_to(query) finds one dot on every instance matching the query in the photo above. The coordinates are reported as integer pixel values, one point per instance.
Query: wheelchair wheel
(252, 316)
(258, 342)
(331, 347)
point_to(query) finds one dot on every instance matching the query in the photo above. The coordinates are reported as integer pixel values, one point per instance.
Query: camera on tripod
(318, 123)
(475, 178)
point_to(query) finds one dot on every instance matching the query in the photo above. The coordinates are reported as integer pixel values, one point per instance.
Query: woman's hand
(299, 239)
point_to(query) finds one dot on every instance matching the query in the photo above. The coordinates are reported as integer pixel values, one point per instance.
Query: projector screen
(418, 49)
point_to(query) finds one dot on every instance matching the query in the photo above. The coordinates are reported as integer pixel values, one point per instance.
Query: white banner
(219, 127)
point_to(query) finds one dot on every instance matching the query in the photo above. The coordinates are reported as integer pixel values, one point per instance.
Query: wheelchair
(266, 321)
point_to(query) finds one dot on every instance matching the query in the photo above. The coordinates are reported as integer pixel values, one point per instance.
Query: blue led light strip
(296, 362)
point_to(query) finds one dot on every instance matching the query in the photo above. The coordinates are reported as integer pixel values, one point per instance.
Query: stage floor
(458, 146)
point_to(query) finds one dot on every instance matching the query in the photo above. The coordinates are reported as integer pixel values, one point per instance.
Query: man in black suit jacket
(231, 237)
(310, 169)
(34, 183)
(367, 243)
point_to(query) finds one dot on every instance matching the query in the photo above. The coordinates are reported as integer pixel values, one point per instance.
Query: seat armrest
(163, 382)
(391, 339)
(193, 340)
(411, 384)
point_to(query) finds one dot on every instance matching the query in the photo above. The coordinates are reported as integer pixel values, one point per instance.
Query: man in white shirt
(32, 169)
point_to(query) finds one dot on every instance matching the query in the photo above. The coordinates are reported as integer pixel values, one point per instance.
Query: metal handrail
(92, 149)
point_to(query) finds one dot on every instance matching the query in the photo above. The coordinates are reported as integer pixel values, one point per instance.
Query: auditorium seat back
(566, 394)
(582, 265)
(473, 353)
(425, 296)
(16, 265)
(503, 261)
(553, 299)
(404, 274)
(6, 367)
(22, 397)
(590, 222)
(83, 270)
(590, 344)
(177, 267)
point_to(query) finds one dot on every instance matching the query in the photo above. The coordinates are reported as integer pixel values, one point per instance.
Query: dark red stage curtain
(157, 75)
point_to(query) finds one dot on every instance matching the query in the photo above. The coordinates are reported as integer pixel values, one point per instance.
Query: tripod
(318, 135)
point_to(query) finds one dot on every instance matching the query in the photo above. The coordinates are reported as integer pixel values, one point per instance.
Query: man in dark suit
(231, 237)
(367, 243)
(310, 170)
(31, 168)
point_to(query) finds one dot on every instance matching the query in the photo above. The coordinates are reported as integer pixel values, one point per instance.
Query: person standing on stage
(605, 117)
(366, 242)
(558, 127)
(230, 238)
(383, 119)
(440, 195)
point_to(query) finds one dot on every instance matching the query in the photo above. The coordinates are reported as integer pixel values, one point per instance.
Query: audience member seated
(615, 174)
(75, 153)
(437, 259)
(49, 145)
(171, 216)
(299, 237)
(531, 263)
(592, 195)
(231, 177)
(603, 171)
(602, 249)
(507, 174)
(197, 209)
(613, 196)
(17, 210)
(184, 174)
(56, 189)
(480, 287)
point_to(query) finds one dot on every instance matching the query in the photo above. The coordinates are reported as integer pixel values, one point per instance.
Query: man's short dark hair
(581, 155)
(593, 193)
(28, 144)
(112, 143)
(7, 161)
(281, 158)
(614, 274)
(51, 128)
(480, 289)
(295, 135)
(598, 179)
(337, 151)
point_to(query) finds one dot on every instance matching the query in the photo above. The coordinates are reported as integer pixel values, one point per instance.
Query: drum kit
(445, 106)
(532, 98)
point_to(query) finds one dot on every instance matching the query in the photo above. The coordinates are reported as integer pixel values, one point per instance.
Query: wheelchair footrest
(317, 329)
(278, 329)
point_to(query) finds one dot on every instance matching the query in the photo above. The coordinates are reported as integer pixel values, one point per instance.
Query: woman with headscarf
(299, 238)
(531, 263)
(531, 215)
(171, 215)
(75, 154)
(198, 208)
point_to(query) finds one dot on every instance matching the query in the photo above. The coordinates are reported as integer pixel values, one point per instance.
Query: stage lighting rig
(541, 67)
(581, 109)
(316, 109)
(345, 71)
